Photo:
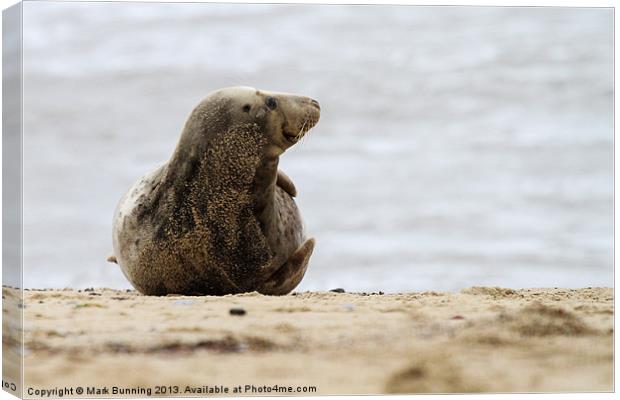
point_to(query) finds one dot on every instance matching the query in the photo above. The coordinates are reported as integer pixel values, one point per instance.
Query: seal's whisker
(302, 141)
(306, 126)
(301, 132)
(303, 128)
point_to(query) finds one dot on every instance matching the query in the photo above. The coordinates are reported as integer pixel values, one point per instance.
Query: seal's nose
(315, 103)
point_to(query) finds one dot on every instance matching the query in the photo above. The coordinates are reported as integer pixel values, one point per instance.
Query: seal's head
(283, 118)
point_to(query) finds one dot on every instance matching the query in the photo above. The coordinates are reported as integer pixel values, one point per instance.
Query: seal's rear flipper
(286, 184)
(288, 276)
(112, 258)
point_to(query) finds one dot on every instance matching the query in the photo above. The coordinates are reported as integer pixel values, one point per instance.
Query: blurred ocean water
(457, 146)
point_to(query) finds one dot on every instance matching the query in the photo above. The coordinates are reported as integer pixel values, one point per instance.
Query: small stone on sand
(237, 311)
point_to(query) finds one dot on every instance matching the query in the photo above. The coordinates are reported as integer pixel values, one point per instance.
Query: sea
(457, 146)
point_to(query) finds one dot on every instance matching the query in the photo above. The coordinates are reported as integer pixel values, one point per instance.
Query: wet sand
(477, 340)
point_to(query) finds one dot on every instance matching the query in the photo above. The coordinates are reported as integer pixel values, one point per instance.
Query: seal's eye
(246, 108)
(271, 103)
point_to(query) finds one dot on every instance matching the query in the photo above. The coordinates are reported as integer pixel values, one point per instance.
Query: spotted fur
(212, 220)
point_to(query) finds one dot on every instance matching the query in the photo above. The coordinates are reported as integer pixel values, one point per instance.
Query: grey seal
(219, 217)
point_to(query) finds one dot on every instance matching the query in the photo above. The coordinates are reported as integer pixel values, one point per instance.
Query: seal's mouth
(289, 136)
(306, 124)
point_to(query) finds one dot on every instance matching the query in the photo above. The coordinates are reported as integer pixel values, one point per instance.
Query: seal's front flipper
(286, 184)
(112, 258)
(288, 276)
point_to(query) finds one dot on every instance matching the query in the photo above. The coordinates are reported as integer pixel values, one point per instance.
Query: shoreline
(480, 339)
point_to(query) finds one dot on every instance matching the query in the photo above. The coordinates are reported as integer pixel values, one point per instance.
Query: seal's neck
(264, 188)
(236, 171)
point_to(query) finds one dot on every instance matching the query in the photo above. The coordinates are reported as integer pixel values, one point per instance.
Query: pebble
(183, 302)
(237, 311)
(338, 290)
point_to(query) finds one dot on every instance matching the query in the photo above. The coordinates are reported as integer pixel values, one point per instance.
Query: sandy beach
(480, 339)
